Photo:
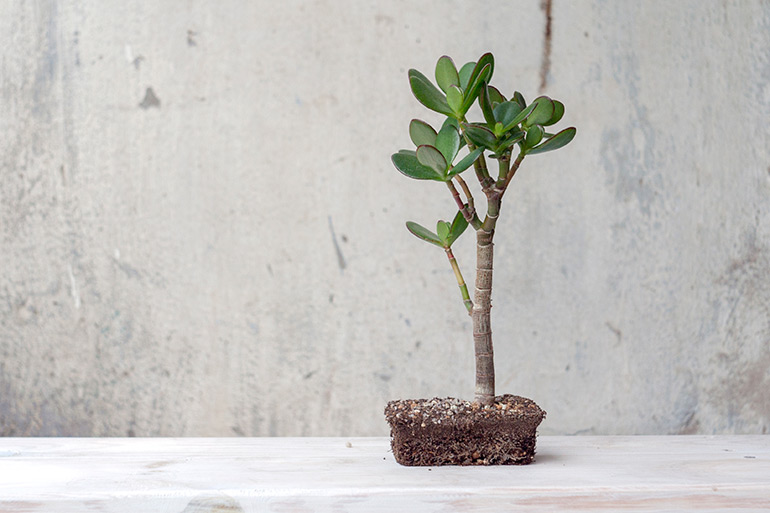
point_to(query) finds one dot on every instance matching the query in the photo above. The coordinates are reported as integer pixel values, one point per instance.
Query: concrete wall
(201, 232)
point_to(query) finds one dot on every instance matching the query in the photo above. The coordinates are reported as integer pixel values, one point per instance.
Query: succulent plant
(509, 126)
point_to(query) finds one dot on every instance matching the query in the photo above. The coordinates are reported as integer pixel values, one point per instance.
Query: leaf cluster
(446, 233)
(507, 124)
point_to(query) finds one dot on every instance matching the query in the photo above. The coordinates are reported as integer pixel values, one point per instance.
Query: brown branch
(467, 210)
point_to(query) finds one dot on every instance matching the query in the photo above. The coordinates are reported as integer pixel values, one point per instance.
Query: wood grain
(358, 474)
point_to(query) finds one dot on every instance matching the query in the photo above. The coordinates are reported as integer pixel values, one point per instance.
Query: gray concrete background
(201, 232)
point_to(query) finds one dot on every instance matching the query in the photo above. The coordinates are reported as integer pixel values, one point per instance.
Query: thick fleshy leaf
(421, 133)
(430, 156)
(423, 233)
(486, 105)
(495, 96)
(446, 73)
(521, 116)
(427, 94)
(459, 224)
(518, 98)
(465, 74)
(542, 113)
(481, 136)
(558, 112)
(506, 112)
(476, 80)
(485, 60)
(448, 142)
(454, 97)
(534, 136)
(442, 229)
(406, 162)
(466, 162)
(455, 123)
(554, 143)
(471, 76)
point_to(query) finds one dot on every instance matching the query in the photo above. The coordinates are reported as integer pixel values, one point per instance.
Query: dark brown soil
(433, 432)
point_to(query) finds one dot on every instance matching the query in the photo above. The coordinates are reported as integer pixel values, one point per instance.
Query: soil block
(433, 432)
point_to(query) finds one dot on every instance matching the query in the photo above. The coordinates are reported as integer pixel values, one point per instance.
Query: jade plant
(509, 130)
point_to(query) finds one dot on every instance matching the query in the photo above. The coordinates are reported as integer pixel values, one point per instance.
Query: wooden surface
(134, 475)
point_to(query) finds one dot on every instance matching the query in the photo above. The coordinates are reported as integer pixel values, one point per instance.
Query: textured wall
(201, 232)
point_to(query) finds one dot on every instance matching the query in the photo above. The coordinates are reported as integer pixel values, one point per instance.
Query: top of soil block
(449, 410)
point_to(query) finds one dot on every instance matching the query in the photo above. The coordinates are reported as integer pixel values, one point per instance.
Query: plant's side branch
(467, 210)
(481, 168)
(456, 196)
(467, 192)
(509, 175)
(503, 165)
(480, 165)
(460, 280)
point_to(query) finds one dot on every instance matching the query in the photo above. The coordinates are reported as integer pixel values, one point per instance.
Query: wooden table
(608, 473)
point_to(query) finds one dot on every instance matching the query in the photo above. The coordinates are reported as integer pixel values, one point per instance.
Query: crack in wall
(545, 64)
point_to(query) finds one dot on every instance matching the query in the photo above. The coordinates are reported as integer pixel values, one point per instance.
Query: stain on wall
(150, 99)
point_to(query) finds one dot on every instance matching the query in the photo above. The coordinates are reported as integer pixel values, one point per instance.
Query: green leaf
(478, 70)
(495, 96)
(406, 162)
(448, 142)
(542, 113)
(454, 98)
(521, 116)
(455, 123)
(471, 75)
(430, 156)
(421, 133)
(442, 229)
(518, 98)
(481, 136)
(506, 112)
(558, 112)
(486, 105)
(534, 136)
(476, 80)
(465, 74)
(554, 143)
(465, 162)
(459, 224)
(427, 94)
(446, 74)
(424, 234)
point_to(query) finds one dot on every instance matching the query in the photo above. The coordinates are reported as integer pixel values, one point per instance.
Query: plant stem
(482, 301)
(482, 329)
(460, 280)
